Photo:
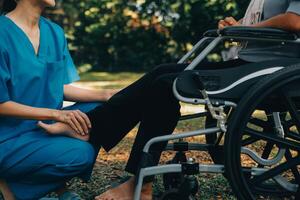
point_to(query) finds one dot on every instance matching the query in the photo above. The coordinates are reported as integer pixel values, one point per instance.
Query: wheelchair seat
(228, 83)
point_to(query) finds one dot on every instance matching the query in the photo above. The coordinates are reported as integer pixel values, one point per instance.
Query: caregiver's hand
(228, 21)
(76, 119)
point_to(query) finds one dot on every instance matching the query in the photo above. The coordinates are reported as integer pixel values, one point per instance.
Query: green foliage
(138, 34)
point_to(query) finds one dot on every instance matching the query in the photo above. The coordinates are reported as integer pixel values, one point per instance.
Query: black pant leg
(159, 117)
(121, 113)
(135, 94)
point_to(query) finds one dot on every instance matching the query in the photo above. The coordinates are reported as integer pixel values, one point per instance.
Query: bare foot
(125, 191)
(59, 128)
(7, 194)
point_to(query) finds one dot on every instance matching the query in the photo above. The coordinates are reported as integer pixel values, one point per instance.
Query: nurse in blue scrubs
(35, 70)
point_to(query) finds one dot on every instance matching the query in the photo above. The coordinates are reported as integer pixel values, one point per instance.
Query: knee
(82, 157)
(162, 95)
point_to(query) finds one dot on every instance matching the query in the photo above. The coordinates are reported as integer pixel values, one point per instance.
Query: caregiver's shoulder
(53, 27)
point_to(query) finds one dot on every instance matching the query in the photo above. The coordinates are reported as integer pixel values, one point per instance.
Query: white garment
(254, 12)
(253, 15)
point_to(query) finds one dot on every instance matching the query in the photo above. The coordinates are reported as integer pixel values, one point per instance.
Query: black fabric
(150, 102)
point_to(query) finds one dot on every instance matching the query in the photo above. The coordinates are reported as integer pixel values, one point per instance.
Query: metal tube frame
(179, 136)
(149, 171)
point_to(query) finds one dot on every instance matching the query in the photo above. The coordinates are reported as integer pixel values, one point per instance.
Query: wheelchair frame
(216, 108)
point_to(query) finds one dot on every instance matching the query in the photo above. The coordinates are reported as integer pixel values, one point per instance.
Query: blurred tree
(138, 34)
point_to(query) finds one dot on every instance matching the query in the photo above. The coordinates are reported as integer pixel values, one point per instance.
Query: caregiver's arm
(13, 109)
(76, 94)
(288, 21)
(75, 118)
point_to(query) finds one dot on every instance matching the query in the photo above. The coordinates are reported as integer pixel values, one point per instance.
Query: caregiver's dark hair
(8, 5)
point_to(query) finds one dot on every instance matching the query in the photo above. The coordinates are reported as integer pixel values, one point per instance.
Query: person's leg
(121, 113)
(38, 163)
(159, 115)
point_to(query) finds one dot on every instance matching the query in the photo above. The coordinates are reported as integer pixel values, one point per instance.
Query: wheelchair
(252, 124)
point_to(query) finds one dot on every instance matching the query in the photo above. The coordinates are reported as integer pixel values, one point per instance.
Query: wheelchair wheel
(262, 143)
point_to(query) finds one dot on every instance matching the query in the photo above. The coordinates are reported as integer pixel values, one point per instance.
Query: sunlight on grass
(106, 76)
(105, 80)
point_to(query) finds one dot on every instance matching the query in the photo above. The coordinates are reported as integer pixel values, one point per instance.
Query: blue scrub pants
(36, 163)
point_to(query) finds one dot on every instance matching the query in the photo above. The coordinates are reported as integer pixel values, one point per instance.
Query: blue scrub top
(30, 79)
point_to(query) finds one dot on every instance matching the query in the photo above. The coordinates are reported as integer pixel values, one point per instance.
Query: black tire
(277, 92)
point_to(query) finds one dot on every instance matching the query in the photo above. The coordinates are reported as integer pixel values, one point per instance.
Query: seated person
(33, 83)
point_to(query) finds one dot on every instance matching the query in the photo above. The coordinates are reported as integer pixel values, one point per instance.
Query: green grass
(106, 76)
(111, 81)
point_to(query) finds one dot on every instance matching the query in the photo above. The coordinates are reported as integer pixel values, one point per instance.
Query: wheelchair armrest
(257, 32)
(252, 32)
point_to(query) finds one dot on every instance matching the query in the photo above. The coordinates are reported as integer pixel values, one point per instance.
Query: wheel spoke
(252, 137)
(275, 139)
(275, 171)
